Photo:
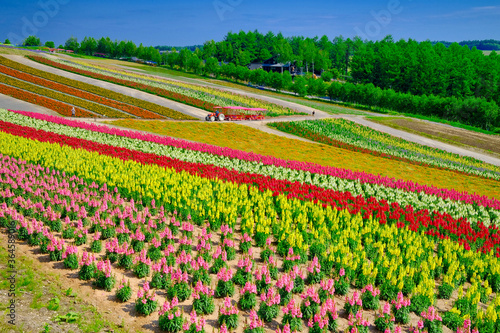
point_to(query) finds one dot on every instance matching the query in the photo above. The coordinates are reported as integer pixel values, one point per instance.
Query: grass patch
(252, 140)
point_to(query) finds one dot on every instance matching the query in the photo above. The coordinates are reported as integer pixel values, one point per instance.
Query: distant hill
(168, 48)
(484, 45)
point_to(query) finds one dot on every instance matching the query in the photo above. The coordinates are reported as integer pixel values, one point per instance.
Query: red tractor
(235, 113)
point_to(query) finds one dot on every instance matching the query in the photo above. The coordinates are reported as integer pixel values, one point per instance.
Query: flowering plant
(200, 270)
(142, 264)
(314, 271)
(298, 280)
(180, 286)
(401, 309)
(87, 266)
(269, 305)
(244, 272)
(292, 316)
(220, 260)
(225, 286)
(432, 320)
(263, 279)
(228, 314)
(195, 324)
(342, 283)
(124, 292)
(326, 290)
(285, 286)
(354, 304)
(245, 243)
(357, 323)
(146, 303)
(310, 302)
(370, 297)
(103, 277)
(70, 258)
(384, 319)
(248, 296)
(170, 317)
(290, 260)
(256, 324)
(203, 299)
(55, 249)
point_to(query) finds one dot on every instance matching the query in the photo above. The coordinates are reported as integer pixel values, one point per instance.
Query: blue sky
(189, 22)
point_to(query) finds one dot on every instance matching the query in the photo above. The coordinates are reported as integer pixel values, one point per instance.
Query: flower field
(130, 104)
(349, 135)
(138, 112)
(57, 106)
(218, 238)
(59, 96)
(196, 95)
(294, 153)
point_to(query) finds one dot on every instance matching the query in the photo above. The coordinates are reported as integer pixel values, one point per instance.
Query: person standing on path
(73, 112)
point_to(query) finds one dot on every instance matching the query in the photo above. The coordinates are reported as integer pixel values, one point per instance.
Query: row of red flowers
(440, 225)
(136, 111)
(149, 89)
(57, 106)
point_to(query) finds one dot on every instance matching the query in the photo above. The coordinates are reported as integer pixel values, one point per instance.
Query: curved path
(260, 125)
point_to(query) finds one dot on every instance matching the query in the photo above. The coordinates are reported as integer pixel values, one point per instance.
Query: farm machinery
(235, 113)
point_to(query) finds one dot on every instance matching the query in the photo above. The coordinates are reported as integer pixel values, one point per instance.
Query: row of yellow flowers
(346, 238)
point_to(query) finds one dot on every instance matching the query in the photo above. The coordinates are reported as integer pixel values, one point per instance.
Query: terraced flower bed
(138, 112)
(52, 94)
(108, 94)
(57, 106)
(198, 96)
(349, 135)
(243, 250)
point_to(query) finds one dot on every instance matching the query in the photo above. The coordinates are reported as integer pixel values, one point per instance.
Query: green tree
(299, 87)
(276, 81)
(130, 49)
(287, 80)
(173, 58)
(211, 67)
(209, 49)
(71, 44)
(88, 45)
(31, 41)
(7, 41)
(327, 76)
(184, 57)
(195, 64)
(50, 44)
